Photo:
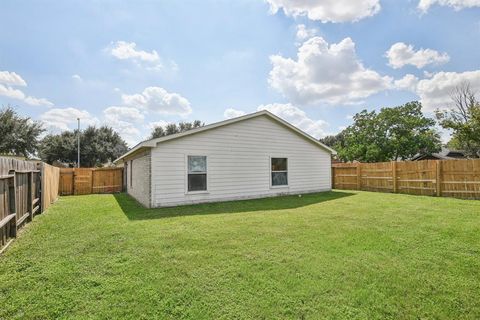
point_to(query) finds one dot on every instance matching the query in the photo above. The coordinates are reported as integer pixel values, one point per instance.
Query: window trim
(187, 173)
(271, 171)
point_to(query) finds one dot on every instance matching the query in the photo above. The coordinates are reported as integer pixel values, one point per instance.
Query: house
(444, 154)
(252, 156)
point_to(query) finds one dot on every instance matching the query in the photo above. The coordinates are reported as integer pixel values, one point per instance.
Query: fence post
(12, 199)
(359, 176)
(41, 177)
(438, 179)
(30, 195)
(12, 206)
(394, 176)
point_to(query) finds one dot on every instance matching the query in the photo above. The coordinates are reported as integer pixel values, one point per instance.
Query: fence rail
(442, 178)
(23, 194)
(90, 180)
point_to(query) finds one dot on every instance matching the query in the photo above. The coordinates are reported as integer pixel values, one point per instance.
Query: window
(197, 173)
(279, 172)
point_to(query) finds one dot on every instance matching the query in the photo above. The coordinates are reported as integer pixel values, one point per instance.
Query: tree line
(401, 132)
(99, 146)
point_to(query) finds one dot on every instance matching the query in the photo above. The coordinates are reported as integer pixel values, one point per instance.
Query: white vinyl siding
(239, 163)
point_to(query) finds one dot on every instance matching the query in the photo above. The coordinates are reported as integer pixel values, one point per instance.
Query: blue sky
(134, 64)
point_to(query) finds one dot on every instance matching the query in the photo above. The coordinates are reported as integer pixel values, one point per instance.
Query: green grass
(329, 255)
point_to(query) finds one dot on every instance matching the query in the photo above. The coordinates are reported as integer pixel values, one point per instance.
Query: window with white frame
(279, 172)
(197, 173)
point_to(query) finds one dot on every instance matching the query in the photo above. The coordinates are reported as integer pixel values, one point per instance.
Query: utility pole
(78, 143)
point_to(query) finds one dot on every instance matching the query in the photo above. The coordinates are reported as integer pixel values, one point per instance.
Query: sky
(136, 64)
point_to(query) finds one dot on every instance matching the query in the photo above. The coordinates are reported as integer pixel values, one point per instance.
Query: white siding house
(253, 156)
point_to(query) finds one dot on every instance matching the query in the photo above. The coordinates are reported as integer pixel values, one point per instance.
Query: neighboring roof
(444, 154)
(153, 142)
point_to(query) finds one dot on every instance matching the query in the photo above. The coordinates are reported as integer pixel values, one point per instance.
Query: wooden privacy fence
(442, 178)
(90, 180)
(26, 189)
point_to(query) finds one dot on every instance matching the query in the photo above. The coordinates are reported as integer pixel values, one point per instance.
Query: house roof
(444, 154)
(153, 142)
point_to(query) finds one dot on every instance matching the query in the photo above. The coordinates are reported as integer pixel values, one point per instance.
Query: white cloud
(37, 101)
(327, 10)
(127, 50)
(16, 94)
(408, 82)
(125, 121)
(435, 92)
(12, 93)
(233, 113)
(123, 50)
(297, 117)
(325, 73)
(159, 100)
(424, 5)
(123, 114)
(304, 33)
(11, 78)
(61, 119)
(401, 54)
(76, 77)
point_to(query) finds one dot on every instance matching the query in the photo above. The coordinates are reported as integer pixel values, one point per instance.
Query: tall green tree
(98, 146)
(173, 128)
(392, 134)
(463, 118)
(333, 141)
(59, 147)
(18, 135)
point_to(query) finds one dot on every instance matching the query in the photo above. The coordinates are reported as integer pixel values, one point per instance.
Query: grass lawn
(328, 255)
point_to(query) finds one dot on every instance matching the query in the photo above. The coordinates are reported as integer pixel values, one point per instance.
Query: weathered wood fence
(442, 178)
(90, 180)
(26, 189)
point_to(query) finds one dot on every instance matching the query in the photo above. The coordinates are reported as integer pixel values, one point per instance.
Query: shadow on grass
(135, 211)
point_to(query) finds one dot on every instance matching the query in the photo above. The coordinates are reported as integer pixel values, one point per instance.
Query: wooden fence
(22, 195)
(90, 180)
(442, 178)
(50, 184)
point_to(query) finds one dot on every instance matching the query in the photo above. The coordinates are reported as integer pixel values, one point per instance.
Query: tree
(98, 146)
(463, 118)
(392, 134)
(18, 135)
(60, 147)
(173, 128)
(334, 140)
(157, 132)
